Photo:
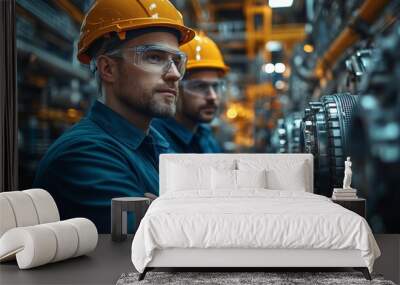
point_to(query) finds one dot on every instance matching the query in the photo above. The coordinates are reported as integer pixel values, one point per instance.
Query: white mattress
(254, 218)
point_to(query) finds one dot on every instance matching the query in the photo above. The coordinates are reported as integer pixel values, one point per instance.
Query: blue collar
(121, 129)
(181, 132)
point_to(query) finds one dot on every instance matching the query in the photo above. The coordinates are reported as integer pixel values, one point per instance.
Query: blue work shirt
(101, 157)
(182, 140)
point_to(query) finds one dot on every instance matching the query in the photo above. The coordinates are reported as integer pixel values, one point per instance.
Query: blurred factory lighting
(280, 67)
(273, 46)
(268, 68)
(308, 48)
(73, 115)
(231, 113)
(280, 84)
(287, 72)
(280, 3)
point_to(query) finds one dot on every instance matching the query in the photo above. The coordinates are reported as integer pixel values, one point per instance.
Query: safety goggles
(203, 88)
(153, 58)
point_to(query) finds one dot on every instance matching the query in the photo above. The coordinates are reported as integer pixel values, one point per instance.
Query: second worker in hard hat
(199, 99)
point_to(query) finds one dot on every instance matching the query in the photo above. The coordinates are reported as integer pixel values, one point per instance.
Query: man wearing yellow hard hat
(133, 49)
(199, 99)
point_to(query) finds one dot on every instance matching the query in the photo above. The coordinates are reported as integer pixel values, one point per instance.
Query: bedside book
(334, 197)
(344, 194)
(341, 190)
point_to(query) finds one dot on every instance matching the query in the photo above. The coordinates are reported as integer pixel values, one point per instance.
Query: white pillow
(223, 179)
(282, 174)
(182, 177)
(201, 160)
(295, 180)
(251, 178)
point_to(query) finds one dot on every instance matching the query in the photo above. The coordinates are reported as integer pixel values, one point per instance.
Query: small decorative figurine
(347, 174)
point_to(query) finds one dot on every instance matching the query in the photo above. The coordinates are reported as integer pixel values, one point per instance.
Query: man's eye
(177, 61)
(216, 85)
(154, 58)
(199, 86)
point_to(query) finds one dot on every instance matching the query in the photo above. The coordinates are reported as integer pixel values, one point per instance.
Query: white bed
(203, 220)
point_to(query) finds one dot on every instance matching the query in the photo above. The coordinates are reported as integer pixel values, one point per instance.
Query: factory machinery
(346, 102)
(337, 96)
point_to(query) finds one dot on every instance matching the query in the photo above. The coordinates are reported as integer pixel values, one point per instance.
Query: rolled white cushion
(23, 208)
(7, 218)
(37, 245)
(87, 235)
(67, 240)
(33, 246)
(45, 205)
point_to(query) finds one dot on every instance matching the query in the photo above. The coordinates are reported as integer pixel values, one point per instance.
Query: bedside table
(358, 205)
(119, 209)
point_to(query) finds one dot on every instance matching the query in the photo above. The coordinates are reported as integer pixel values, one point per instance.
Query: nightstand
(358, 205)
(119, 209)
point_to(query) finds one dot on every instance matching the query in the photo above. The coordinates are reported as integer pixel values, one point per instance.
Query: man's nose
(212, 93)
(173, 73)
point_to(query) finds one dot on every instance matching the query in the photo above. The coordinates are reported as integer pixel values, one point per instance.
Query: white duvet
(252, 218)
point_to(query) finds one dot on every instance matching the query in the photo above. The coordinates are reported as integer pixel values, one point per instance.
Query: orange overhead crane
(368, 13)
(258, 32)
(258, 36)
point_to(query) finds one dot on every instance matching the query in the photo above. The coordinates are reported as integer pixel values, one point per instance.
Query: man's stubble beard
(159, 109)
(149, 105)
(195, 117)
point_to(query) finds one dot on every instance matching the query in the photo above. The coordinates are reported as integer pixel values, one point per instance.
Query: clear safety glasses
(203, 88)
(153, 58)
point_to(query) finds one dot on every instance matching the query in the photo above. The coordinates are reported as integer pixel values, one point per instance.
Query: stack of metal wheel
(324, 132)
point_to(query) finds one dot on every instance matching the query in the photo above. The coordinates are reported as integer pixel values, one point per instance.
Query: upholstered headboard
(233, 161)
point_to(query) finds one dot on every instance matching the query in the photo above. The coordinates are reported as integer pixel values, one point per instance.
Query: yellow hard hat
(202, 52)
(119, 16)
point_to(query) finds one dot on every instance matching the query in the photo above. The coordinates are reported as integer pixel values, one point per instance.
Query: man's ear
(107, 69)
